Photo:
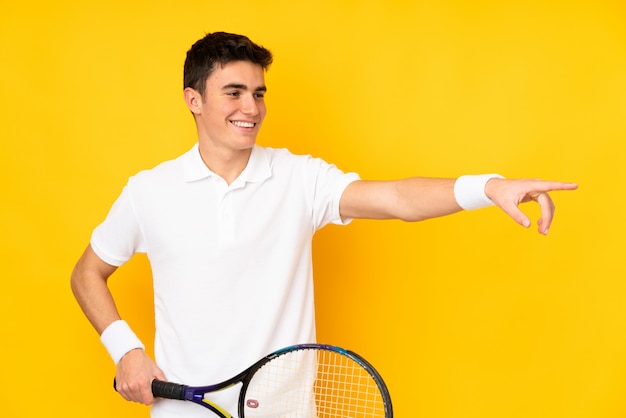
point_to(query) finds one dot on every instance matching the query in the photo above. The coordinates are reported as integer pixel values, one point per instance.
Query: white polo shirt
(231, 264)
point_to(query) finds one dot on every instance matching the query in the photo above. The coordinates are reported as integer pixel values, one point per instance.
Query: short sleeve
(119, 236)
(330, 184)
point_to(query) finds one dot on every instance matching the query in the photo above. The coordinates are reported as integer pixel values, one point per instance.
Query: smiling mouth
(242, 124)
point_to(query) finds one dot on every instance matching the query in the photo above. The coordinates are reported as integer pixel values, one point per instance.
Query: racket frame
(196, 394)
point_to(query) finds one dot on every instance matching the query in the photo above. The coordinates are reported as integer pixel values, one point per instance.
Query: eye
(234, 93)
(259, 95)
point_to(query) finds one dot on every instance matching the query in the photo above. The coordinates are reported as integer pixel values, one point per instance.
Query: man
(228, 228)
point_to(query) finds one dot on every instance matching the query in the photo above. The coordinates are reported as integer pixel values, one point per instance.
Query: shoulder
(163, 173)
(159, 182)
(283, 158)
(315, 172)
(280, 155)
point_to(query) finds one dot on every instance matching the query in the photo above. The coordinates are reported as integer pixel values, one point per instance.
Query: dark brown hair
(220, 48)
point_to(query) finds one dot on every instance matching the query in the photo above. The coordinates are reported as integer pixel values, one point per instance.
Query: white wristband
(119, 339)
(469, 191)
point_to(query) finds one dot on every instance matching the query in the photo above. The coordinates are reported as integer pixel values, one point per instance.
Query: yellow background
(465, 316)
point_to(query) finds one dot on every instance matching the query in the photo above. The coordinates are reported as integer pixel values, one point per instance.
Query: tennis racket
(301, 381)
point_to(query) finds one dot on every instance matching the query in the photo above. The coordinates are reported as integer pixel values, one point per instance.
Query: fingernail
(546, 232)
(526, 223)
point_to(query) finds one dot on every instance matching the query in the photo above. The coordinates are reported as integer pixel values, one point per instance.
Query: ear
(193, 100)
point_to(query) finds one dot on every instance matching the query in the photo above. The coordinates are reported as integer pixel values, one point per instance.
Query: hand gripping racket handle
(161, 389)
(168, 390)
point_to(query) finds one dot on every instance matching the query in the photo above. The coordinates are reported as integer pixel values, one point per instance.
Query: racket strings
(313, 384)
(343, 386)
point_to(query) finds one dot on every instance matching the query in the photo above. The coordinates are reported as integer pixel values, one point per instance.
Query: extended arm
(419, 198)
(135, 370)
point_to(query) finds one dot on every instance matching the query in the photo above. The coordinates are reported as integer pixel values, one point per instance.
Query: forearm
(420, 198)
(89, 285)
(413, 199)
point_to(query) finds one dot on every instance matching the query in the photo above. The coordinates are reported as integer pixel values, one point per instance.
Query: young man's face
(230, 114)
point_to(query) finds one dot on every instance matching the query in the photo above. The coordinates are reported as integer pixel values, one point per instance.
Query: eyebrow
(242, 87)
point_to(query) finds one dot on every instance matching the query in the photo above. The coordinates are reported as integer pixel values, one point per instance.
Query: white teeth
(242, 124)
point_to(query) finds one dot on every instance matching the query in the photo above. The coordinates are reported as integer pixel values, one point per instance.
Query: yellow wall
(468, 316)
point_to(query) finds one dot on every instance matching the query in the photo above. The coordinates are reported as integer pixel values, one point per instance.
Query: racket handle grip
(161, 389)
(168, 390)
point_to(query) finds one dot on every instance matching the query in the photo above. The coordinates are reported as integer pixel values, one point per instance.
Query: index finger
(542, 186)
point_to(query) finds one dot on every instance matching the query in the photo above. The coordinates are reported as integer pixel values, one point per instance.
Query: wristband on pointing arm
(469, 191)
(119, 339)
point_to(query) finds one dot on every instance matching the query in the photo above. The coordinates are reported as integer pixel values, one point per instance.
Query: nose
(249, 105)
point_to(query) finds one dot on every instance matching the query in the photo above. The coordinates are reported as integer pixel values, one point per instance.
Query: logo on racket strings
(252, 403)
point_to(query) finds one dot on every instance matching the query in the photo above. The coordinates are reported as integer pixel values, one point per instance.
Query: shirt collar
(258, 168)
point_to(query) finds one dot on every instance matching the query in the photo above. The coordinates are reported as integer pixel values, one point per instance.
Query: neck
(227, 164)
